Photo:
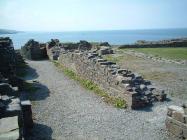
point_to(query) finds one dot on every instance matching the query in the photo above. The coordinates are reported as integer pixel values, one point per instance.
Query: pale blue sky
(65, 15)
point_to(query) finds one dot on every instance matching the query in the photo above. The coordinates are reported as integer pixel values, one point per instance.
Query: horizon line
(96, 30)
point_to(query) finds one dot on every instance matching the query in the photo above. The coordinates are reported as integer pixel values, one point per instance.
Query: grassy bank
(170, 53)
(113, 58)
(117, 102)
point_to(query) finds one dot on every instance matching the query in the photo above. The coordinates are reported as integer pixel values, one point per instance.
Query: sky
(82, 15)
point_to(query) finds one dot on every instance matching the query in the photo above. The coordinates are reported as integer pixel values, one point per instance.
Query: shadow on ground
(31, 73)
(40, 132)
(41, 93)
(148, 108)
(37, 92)
(34, 90)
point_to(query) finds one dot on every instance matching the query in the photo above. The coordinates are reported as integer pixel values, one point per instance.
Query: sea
(114, 37)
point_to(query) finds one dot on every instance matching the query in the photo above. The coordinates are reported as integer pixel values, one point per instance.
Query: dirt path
(64, 110)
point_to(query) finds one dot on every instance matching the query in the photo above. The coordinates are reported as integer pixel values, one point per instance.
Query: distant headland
(5, 31)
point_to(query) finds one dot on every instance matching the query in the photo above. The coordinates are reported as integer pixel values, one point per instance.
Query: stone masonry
(34, 50)
(117, 82)
(7, 57)
(176, 121)
(15, 113)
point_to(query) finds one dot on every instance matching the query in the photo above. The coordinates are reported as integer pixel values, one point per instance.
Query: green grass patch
(115, 101)
(113, 58)
(170, 53)
(160, 76)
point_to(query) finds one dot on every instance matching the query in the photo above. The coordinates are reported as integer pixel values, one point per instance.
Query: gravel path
(63, 110)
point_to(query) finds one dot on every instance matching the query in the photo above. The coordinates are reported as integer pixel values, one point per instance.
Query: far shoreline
(113, 37)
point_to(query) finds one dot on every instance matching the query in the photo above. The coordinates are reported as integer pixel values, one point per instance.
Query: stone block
(101, 60)
(176, 130)
(55, 57)
(185, 118)
(176, 108)
(126, 80)
(122, 71)
(160, 96)
(184, 133)
(27, 114)
(11, 135)
(142, 86)
(105, 50)
(178, 116)
(9, 128)
(185, 111)
(4, 87)
(13, 109)
(169, 113)
(174, 127)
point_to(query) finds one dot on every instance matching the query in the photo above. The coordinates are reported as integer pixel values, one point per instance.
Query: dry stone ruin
(176, 121)
(34, 50)
(15, 112)
(89, 64)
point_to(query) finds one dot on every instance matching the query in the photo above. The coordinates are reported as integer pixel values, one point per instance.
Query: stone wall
(12, 108)
(115, 81)
(34, 50)
(176, 121)
(7, 57)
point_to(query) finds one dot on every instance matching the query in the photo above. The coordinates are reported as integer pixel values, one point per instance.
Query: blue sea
(117, 37)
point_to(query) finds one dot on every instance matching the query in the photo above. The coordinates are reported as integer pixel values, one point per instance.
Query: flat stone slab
(8, 124)
(12, 135)
(176, 108)
(26, 102)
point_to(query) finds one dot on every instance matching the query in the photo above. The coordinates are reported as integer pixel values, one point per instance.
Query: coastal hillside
(5, 31)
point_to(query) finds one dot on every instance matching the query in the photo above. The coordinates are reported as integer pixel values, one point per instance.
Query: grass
(115, 101)
(160, 76)
(170, 53)
(113, 58)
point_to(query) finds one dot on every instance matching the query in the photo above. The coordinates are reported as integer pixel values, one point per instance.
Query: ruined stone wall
(34, 50)
(176, 121)
(12, 109)
(115, 81)
(7, 57)
(95, 70)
